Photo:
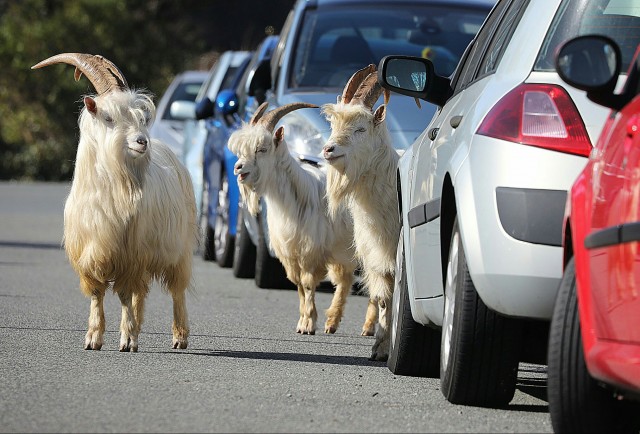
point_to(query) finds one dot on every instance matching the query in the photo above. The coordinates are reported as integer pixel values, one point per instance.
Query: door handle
(455, 121)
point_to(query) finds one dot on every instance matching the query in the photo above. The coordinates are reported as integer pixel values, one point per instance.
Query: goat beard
(339, 188)
(250, 198)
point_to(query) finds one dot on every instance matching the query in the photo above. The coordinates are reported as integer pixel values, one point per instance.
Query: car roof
(321, 3)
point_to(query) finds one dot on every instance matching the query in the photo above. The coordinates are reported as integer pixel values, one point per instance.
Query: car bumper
(510, 200)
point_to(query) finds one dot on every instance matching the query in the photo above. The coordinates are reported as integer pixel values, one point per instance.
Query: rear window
(334, 42)
(618, 19)
(185, 91)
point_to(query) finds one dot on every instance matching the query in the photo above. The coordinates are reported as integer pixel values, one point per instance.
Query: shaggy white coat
(130, 216)
(307, 241)
(362, 175)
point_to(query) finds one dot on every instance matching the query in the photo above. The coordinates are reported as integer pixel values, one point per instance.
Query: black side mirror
(592, 63)
(204, 108)
(261, 80)
(414, 76)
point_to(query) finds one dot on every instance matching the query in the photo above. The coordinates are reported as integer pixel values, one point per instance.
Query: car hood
(404, 119)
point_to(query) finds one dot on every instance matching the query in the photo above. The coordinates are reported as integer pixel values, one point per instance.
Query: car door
(445, 145)
(613, 255)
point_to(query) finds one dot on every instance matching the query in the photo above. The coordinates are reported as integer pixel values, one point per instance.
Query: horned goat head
(101, 72)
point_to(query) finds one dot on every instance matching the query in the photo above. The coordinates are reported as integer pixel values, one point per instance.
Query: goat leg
(95, 331)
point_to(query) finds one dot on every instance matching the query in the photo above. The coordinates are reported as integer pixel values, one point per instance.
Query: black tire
(414, 349)
(480, 348)
(244, 252)
(223, 241)
(270, 272)
(576, 402)
(208, 249)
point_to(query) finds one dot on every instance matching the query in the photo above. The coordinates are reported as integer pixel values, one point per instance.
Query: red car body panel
(605, 212)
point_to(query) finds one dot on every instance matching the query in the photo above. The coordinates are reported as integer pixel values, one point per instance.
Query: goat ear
(91, 105)
(278, 136)
(379, 115)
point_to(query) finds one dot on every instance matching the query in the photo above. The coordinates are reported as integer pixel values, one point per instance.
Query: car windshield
(618, 19)
(337, 41)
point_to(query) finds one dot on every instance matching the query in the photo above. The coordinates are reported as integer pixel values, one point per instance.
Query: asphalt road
(245, 370)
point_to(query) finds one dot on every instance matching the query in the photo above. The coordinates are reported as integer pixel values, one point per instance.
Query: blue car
(221, 195)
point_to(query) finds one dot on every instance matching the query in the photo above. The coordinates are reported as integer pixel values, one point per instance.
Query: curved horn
(369, 91)
(259, 112)
(101, 72)
(354, 82)
(270, 119)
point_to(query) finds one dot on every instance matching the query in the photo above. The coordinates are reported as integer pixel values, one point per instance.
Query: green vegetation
(150, 41)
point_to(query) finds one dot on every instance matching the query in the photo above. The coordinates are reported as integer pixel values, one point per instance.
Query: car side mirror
(183, 110)
(227, 102)
(204, 108)
(414, 76)
(591, 63)
(261, 80)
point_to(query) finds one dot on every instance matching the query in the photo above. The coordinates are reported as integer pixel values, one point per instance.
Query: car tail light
(541, 115)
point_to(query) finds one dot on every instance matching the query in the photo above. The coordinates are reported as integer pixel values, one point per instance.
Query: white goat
(130, 216)
(307, 241)
(362, 175)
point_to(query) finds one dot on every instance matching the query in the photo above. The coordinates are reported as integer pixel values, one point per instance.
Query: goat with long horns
(305, 238)
(130, 216)
(362, 176)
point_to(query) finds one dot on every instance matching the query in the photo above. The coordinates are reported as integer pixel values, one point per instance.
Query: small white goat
(362, 175)
(130, 216)
(308, 242)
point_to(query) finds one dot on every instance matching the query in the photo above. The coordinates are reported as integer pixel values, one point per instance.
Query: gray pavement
(245, 370)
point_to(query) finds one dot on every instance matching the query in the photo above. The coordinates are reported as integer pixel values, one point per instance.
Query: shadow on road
(292, 357)
(29, 245)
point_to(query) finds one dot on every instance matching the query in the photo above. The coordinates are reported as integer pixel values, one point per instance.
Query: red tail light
(540, 115)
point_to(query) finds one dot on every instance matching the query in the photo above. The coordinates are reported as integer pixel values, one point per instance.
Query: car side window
(502, 36)
(478, 45)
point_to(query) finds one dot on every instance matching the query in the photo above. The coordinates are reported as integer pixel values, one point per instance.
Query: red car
(594, 342)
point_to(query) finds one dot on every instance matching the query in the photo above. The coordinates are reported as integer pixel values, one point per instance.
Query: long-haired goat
(362, 175)
(130, 217)
(308, 242)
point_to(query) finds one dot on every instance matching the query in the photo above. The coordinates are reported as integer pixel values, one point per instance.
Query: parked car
(195, 128)
(594, 342)
(185, 86)
(482, 194)
(220, 193)
(322, 43)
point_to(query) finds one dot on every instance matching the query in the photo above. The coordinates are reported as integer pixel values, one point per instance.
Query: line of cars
(482, 188)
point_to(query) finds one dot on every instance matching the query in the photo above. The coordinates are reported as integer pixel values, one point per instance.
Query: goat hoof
(330, 330)
(367, 332)
(179, 345)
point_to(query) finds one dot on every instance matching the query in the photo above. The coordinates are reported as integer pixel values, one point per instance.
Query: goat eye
(360, 130)
(108, 119)
(262, 150)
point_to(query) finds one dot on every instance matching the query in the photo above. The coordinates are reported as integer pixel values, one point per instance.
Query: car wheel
(244, 252)
(577, 403)
(480, 348)
(223, 240)
(208, 251)
(270, 272)
(414, 349)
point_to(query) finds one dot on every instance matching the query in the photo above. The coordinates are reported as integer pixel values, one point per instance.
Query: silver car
(483, 192)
